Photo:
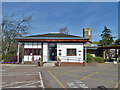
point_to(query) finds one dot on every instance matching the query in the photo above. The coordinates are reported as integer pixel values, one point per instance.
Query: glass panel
(39, 51)
(68, 52)
(52, 51)
(52, 45)
(26, 51)
(34, 52)
(73, 52)
(30, 51)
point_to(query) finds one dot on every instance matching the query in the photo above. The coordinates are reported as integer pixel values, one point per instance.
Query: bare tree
(12, 27)
(64, 30)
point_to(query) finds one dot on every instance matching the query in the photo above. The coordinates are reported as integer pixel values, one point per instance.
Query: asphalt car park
(89, 76)
(20, 77)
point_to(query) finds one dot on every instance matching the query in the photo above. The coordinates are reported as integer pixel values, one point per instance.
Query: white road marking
(26, 85)
(41, 80)
(14, 83)
(77, 84)
(72, 85)
(18, 74)
(83, 85)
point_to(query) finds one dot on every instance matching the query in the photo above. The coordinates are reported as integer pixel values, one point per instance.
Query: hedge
(99, 59)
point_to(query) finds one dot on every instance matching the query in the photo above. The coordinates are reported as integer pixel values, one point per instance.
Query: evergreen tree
(106, 36)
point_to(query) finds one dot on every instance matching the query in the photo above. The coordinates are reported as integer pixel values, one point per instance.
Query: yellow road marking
(102, 80)
(58, 73)
(89, 75)
(93, 79)
(56, 79)
(117, 84)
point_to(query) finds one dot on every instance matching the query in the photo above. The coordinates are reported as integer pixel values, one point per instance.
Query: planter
(114, 62)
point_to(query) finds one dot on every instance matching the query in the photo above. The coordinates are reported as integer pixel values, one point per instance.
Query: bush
(89, 58)
(9, 58)
(99, 59)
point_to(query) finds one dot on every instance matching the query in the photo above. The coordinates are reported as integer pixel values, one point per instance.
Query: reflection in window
(26, 51)
(39, 51)
(71, 52)
(34, 52)
(30, 51)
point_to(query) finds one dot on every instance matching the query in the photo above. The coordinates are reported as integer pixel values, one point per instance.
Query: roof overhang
(52, 40)
(111, 47)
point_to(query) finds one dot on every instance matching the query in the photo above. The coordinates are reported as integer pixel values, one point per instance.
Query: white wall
(28, 58)
(63, 47)
(32, 45)
(60, 46)
(45, 52)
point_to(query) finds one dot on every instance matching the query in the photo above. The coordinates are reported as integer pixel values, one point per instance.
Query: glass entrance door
(52, 48)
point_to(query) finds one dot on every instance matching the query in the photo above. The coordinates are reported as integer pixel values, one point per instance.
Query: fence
(65, 58)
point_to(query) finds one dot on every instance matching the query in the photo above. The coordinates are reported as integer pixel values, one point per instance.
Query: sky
(51, 16)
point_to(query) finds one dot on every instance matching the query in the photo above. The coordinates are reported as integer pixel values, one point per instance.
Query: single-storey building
(48, 47)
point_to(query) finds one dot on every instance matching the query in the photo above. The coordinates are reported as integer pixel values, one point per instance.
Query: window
(26, 51)
(39, 51)
(71, 52)
(30, 51)
(34, 52)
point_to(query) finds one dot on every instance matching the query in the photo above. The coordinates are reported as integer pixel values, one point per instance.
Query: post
(105, 56)
(85, 56)
(18, 53)
(108, 55)
(22, 53)
(116, 54)
(42, 51)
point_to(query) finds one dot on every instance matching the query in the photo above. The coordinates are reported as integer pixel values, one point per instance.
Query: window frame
(71, 51)
(32, 51)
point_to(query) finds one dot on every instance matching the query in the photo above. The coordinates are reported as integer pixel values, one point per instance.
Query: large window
(26, 51)
(32, 51)
(71, 52)
(39, 51)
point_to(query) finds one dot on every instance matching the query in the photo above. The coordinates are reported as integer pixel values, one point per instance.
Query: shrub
(10, 58)
(99, 59)
(89, 57)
